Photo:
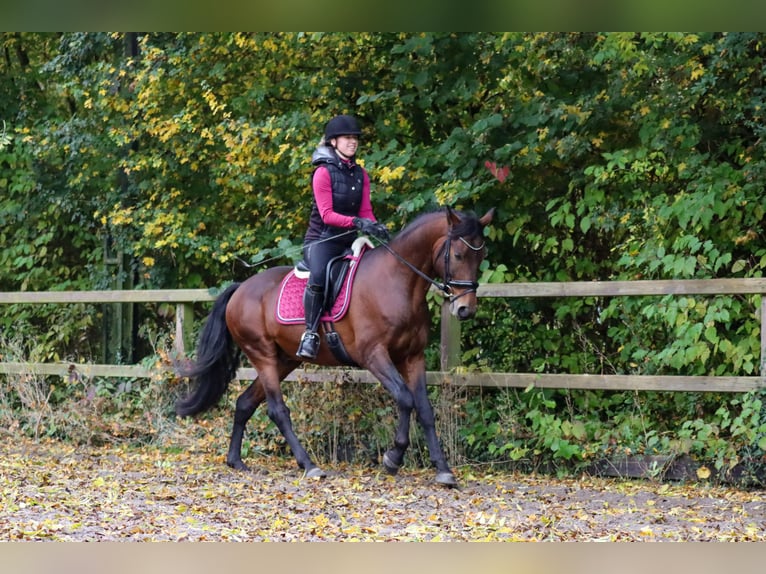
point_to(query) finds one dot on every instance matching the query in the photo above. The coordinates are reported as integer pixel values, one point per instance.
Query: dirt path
(55, 491)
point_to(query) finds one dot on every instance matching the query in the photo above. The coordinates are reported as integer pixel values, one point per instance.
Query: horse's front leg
(416, 381)
(425, 413)
(385, 371)
(393, 458)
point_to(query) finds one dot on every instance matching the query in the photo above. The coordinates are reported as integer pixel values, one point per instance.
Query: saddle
(340, 277)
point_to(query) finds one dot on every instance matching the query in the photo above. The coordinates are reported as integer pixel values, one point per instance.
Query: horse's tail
(217, 361)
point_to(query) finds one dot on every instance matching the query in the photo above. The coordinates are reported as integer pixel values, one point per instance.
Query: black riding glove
(370, 227)
(364, 225)
(381, 232)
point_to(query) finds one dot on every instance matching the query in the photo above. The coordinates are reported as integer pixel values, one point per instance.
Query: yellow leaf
(703, 472)
(698, 72)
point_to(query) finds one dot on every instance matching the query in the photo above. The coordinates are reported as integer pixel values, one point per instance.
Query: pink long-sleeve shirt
(323, 196)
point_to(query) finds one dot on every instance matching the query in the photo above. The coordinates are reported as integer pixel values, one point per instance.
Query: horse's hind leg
(279, 413)
(246, 405)
(247, 402)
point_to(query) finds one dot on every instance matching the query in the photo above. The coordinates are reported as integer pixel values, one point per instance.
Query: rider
(341, 206)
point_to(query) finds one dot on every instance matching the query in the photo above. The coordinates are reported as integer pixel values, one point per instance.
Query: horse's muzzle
(463, 305)
(463, 308)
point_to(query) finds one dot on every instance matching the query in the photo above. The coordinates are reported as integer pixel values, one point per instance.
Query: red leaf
(501, 174)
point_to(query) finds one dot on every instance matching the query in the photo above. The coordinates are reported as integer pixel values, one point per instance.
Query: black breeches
(318, 254)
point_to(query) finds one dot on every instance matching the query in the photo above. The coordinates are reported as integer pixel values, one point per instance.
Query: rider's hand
(381, 232)
(370, 227)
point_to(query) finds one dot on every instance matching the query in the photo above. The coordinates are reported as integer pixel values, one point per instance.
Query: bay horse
(384, 331)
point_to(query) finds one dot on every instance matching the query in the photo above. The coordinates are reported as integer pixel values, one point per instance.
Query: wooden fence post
(184, 328)
(450, 339)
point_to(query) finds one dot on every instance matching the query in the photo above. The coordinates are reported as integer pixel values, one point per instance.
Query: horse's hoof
(238, 465)
(315, 472)
(446, 478)
(391, 467)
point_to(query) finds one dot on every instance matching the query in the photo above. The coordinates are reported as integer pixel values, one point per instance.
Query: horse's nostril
(464, 312)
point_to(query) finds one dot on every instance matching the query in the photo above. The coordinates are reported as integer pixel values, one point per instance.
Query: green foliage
(566, 431)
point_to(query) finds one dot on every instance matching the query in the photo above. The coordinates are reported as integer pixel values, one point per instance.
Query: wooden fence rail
(450, 373)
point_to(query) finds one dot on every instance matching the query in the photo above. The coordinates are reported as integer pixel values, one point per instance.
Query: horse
(385, 331)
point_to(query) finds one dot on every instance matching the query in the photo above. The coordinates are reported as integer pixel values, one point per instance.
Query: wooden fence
(450, 372)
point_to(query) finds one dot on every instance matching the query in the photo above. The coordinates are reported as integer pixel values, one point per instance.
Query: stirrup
(309, 345)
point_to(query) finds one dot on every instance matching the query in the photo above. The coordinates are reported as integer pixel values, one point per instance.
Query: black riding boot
(313, 301)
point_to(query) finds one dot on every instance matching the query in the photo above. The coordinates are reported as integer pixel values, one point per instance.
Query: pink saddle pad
(290, 303)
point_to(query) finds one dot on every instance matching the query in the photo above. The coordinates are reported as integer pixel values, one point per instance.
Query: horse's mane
(468, 226)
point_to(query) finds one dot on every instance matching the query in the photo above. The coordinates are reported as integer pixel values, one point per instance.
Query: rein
(446, 287)
(441, 286)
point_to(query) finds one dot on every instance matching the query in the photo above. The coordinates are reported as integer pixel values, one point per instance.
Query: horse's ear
(486, 219)
(453, 217)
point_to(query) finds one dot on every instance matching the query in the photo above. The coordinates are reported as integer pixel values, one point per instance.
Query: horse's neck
(420, 245)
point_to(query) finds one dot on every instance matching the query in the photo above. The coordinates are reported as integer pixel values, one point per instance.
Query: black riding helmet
(341, 126)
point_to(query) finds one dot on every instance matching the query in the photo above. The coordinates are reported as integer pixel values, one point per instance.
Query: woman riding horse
(385, 331)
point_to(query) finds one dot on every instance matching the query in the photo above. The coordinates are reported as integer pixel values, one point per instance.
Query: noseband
(449, 282)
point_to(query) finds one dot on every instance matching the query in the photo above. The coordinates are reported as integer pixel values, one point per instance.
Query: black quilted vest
(347, 182)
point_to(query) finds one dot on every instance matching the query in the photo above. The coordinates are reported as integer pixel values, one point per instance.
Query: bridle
(449, 282)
